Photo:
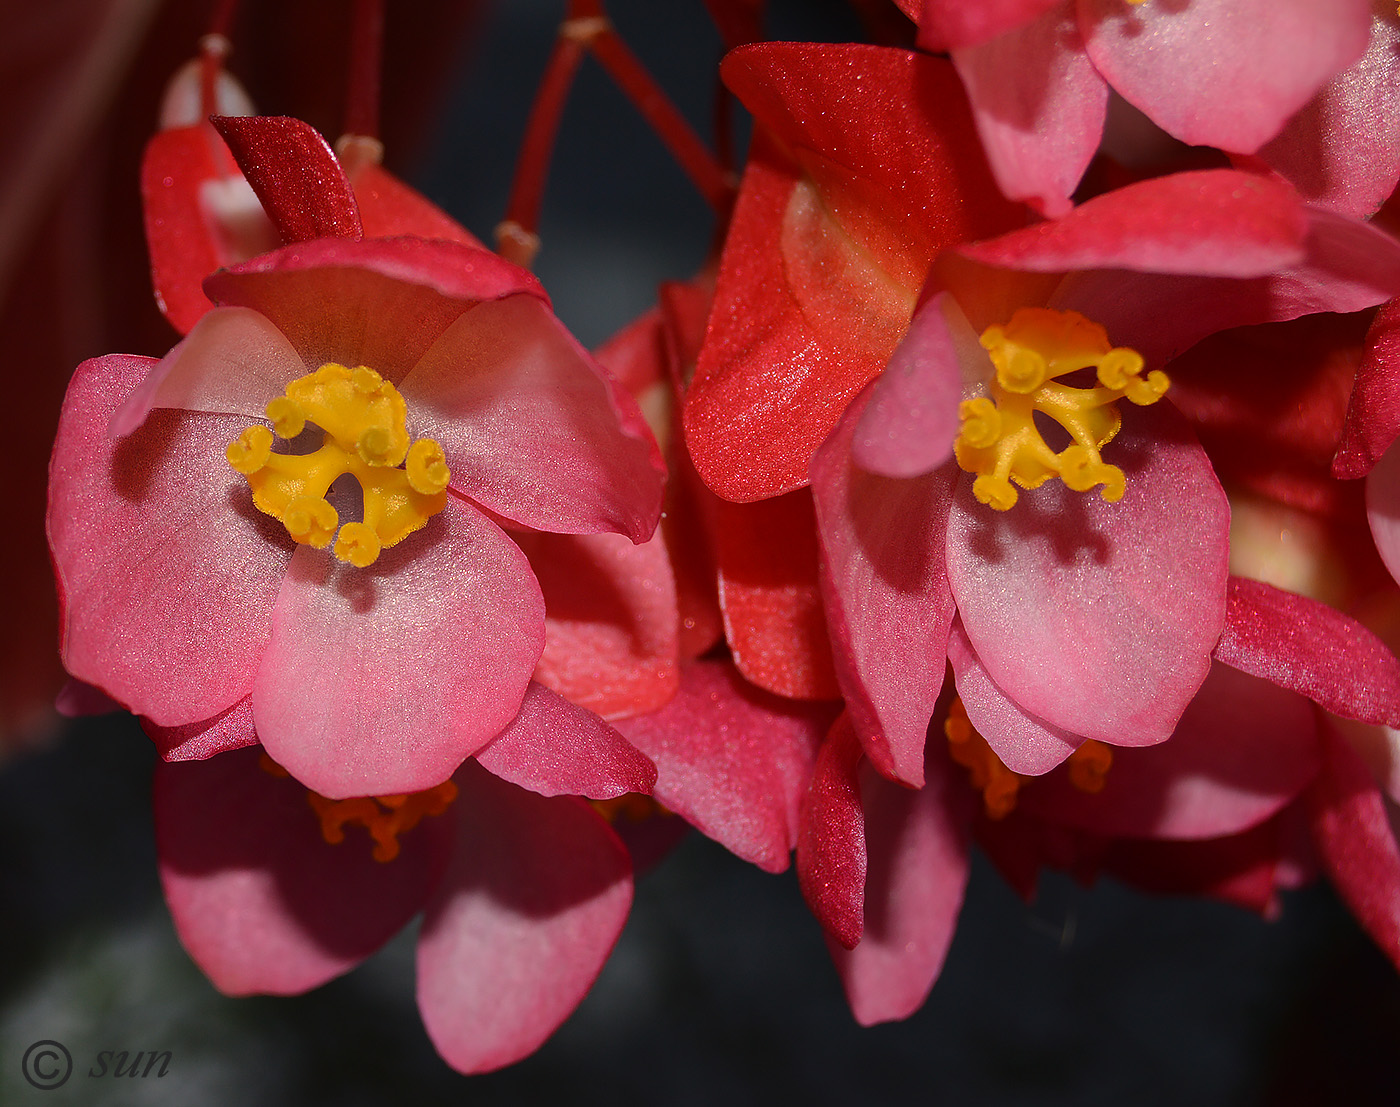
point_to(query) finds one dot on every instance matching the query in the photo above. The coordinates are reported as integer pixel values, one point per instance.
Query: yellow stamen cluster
(365, 425)
(1087, 766)
(999, 441)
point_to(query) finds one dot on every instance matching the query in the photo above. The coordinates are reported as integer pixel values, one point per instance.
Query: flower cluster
(1011, 478)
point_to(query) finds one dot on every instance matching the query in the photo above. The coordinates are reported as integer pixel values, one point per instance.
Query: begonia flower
(522, 886)
(382, 633)
(1209, 72)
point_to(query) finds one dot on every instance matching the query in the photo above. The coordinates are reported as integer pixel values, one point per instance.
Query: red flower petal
(167, 572)
(831, 859)
(553, 747)
(1373, 414)
(296, 176)
(887, 597)
(231, 729)
(733, 760)
(533, 428)
(950, 24)
(533, 899)
(260, 900)
(1099, 618)
(1312, 649)
(918, 849)
(382, 680)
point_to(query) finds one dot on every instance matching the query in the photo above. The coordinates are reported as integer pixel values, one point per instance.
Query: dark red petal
(831, 859)
(296, 176)
(229, 730)
(1373, 415)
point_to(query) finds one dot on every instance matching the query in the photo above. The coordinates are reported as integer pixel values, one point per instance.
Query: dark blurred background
(721, 989)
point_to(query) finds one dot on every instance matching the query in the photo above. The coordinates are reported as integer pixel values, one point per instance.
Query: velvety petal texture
(164, 565)
(887, 597)
(1040, 106)
(1312, 649)
(1224, 73)
(553, 747)
(532, 426)
(918, 849)
(380, 680)
(260, 900)
(733, 760)
(534, 896)
(1099, 618)
(1244, 750)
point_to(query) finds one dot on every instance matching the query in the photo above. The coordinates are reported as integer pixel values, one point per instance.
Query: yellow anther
(427, 467)
(249, 452)
(385, 817)
(357, 544)
(999, 442)
(1088, 766)
(288, 420)
(365, 434)
(311, 521)
(1000, 787)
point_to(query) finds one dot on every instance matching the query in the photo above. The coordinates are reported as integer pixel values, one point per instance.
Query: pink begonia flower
(181, 599)
(522, 886)
(1224, 73)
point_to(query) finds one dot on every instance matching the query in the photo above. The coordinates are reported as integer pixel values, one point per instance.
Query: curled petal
(533, 899)
(381, 680)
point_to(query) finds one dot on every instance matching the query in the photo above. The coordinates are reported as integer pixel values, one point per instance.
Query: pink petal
(232, 363)
(1351, 826)
(167, 572)
(1347, 265)
(229, 730)
(1099, 618)
(533, 427)
(1039, 106)
(769, 595)
(554, 747)
(533, 899)
(1243, 751)
(382, 680)
(951, 24)
(1217, 222)
(887, 597)
(77, 699)
(259, 899)
(918, 848)
(1373, 414)
(295, 174)
(831, 860)
(1024, 743)
(380, 303)
(1312, 649)
(610, 623)
(1341, 150)
(909, 424)
(733, 760)
(1224, 73)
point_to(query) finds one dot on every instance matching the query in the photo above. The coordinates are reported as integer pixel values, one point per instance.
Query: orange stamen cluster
(999, 441)
(1087, 766)
(385, 817)
(364, 420)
